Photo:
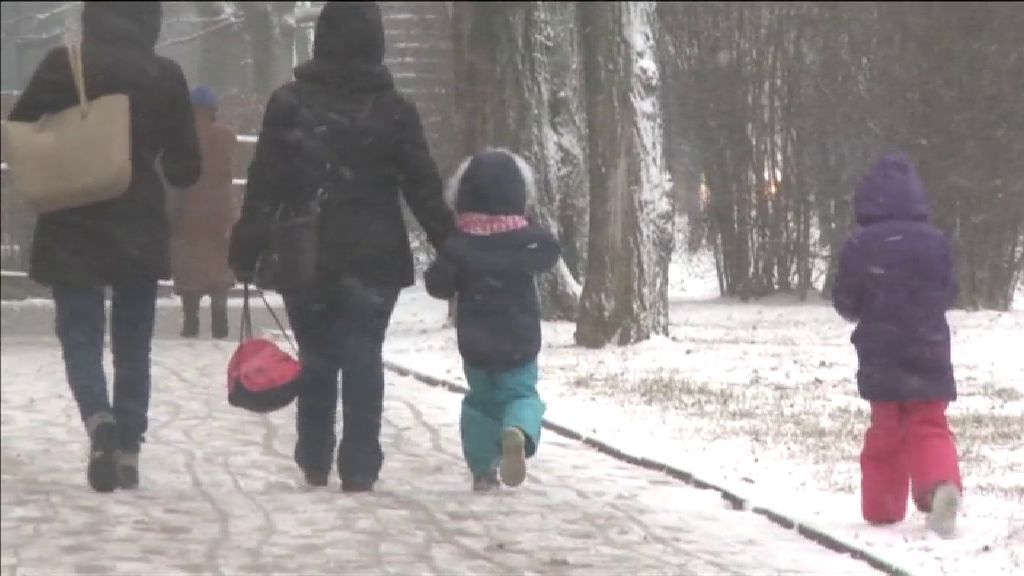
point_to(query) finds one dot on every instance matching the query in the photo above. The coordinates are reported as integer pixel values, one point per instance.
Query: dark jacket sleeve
(49, 90)
(267, 175)
(420, 182)
(848, 288)
(180, 158)
(440, 278)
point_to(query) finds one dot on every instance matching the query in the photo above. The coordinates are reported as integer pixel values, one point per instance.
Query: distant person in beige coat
(201, 220)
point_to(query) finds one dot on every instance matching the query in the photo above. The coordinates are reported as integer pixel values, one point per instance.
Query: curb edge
(737, 502)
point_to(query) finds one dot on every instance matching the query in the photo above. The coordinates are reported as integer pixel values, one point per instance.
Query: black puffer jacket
(341, 129)
(498, 313)
(125, 239)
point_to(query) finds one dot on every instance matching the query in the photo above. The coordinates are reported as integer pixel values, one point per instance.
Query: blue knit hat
(204, 97)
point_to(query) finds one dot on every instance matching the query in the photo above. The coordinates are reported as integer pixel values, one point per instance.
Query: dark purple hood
(891, 191)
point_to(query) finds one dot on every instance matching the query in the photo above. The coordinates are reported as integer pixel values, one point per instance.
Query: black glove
(248, 240)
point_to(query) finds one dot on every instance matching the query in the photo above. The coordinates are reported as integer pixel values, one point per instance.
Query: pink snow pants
(908, 443)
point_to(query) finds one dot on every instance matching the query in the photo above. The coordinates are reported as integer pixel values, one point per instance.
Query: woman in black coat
(122, 243)
(340, 133)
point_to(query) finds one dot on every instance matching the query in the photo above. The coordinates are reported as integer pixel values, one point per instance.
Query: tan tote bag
(76, 157)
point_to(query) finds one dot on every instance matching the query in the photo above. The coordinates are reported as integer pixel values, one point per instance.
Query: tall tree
(680, 152)
(271, 36)
(218, 66)
(954, 75)
(625, 297)
(515, 67)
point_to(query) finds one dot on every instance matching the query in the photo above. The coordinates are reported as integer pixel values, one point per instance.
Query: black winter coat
(498, 314)
(342, 131)
(125, 239)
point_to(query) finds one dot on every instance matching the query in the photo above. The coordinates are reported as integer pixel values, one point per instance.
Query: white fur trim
(452, 188)
(525, 171)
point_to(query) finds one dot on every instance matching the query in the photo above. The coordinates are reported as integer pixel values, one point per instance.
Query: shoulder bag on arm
(75, 157)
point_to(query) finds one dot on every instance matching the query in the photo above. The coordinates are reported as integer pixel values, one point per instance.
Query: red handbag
(261, 377)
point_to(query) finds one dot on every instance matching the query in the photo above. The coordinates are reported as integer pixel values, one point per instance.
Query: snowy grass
(812, 423)
(761, 398)
(809, 422)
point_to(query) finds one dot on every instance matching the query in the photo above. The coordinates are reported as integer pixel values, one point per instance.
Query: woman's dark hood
(134, 25)
(348, 32)
(348, 48)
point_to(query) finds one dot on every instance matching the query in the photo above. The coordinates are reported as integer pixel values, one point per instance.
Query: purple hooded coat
(896, 281)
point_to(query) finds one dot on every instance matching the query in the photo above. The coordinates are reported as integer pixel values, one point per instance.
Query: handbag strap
(78, 75)
(245, 331)
(280, 326)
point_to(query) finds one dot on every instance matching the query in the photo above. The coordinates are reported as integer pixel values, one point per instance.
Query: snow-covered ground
(760, 398)
(221, 495)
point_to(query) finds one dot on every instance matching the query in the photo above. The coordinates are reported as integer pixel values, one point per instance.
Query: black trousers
(344, 335)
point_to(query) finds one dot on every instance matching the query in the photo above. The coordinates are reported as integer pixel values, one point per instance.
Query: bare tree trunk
(504, 70)
(271, 43)
(550, 143)
(470, 67)
(965, 137)
(283, 14)
(625, 298)
(303, 33)
(14, 76)
(216, 66)
(569, 132)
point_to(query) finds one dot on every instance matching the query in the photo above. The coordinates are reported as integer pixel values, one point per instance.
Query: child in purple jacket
(896, 280)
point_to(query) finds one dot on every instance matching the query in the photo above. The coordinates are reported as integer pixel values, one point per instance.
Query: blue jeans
(81, 327)
(499, 400)
(344, 334)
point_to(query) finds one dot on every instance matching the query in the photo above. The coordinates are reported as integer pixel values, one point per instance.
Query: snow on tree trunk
(550, 124)
(569, 129)
(680, 151)
(625, 298)
(505, 62)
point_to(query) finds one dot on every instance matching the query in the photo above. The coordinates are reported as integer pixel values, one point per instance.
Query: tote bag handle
(78, 74)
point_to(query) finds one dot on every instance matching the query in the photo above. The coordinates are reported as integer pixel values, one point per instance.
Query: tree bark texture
(625, 297)
(518, 84)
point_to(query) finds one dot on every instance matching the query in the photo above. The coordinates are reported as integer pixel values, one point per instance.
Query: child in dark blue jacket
(489, 265)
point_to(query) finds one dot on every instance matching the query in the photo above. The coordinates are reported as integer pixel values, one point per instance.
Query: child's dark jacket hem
(498, 314)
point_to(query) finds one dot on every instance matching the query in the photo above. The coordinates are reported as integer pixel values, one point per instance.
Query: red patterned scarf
(487, 224)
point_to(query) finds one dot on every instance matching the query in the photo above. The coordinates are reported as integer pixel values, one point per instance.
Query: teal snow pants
(497, 401)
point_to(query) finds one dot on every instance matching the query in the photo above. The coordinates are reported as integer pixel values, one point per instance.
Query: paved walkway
(221, 496)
